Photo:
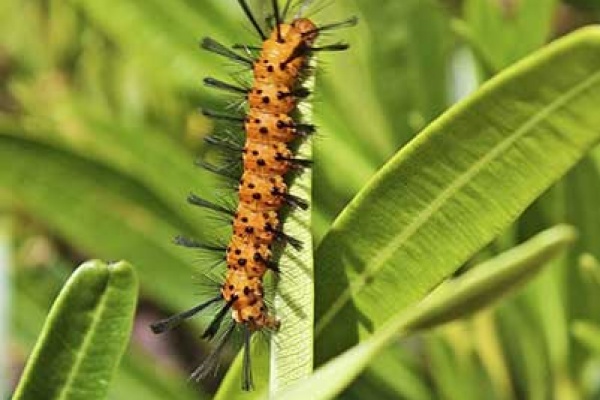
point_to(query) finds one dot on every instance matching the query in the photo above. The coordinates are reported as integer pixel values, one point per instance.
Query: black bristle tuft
(224, 172)
(247, 383)
(200, 202)
(332, 47)
(250, 16)
(245, 47)
(305, 129)
(194, 244)
(210, 363)
(272, 265)
(214, 115)
(277, 20)
(217, 84)
(212, 45)
(223, 143)
(295, 243)
(286, 8)
(214, 326)
(167, 324)
(301, 93)
(352, 21)
(295, 201)
(299, 162)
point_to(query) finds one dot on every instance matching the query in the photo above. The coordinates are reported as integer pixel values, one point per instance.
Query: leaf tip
(563, 233)
(122, 270)
(89, 271)
(586, 36)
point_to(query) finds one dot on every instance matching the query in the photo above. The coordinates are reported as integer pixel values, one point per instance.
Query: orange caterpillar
(262, 191)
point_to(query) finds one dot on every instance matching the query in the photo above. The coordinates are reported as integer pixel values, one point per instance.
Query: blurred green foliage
(99, 130)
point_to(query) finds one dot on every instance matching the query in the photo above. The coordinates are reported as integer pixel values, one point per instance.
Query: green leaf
(493, 279)
(457, 298)
(5, 294)
(394, 374)
(458, 376)
(548, 319)
(527, 354)
(170, 176)
(505, 32)
(32, 295)
(455, 187)
(490, 353)
(588, 333)
(292, 345)
(162, 37)
(291, 350)
(128, 222)
(400, 83)
(582, 191)
(586, 4)
(85, 335)
(590, 269)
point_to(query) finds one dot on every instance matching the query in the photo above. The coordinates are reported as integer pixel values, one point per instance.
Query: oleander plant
(453, 245)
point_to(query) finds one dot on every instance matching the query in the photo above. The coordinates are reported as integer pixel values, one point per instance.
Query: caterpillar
(279, 66)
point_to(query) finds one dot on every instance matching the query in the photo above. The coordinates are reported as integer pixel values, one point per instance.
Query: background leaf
(506, 32)
(4, 296)
(44, 179)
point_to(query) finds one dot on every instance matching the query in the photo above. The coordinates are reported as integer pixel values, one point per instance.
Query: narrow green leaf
(588, 334)
(586, 5)
(493, 279)
(590, 269)
(62, 190)
(291, 350)
(457, 375)
(159, 40)
(85, 335)
(505, 32)
(399, 58)
(394, 374)
(492, 355)
(455, 187)
(170, 176)
(582, 191)
(292, 346)
(457, 298)
(33, 292)
(549, 319)
(527, 354)
(5, 295)
(428, 49)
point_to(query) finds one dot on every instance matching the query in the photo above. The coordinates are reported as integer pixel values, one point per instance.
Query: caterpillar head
(308, 30)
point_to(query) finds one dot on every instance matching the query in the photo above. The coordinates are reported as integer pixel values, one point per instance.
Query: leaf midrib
(81, 354)
(456, 185)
